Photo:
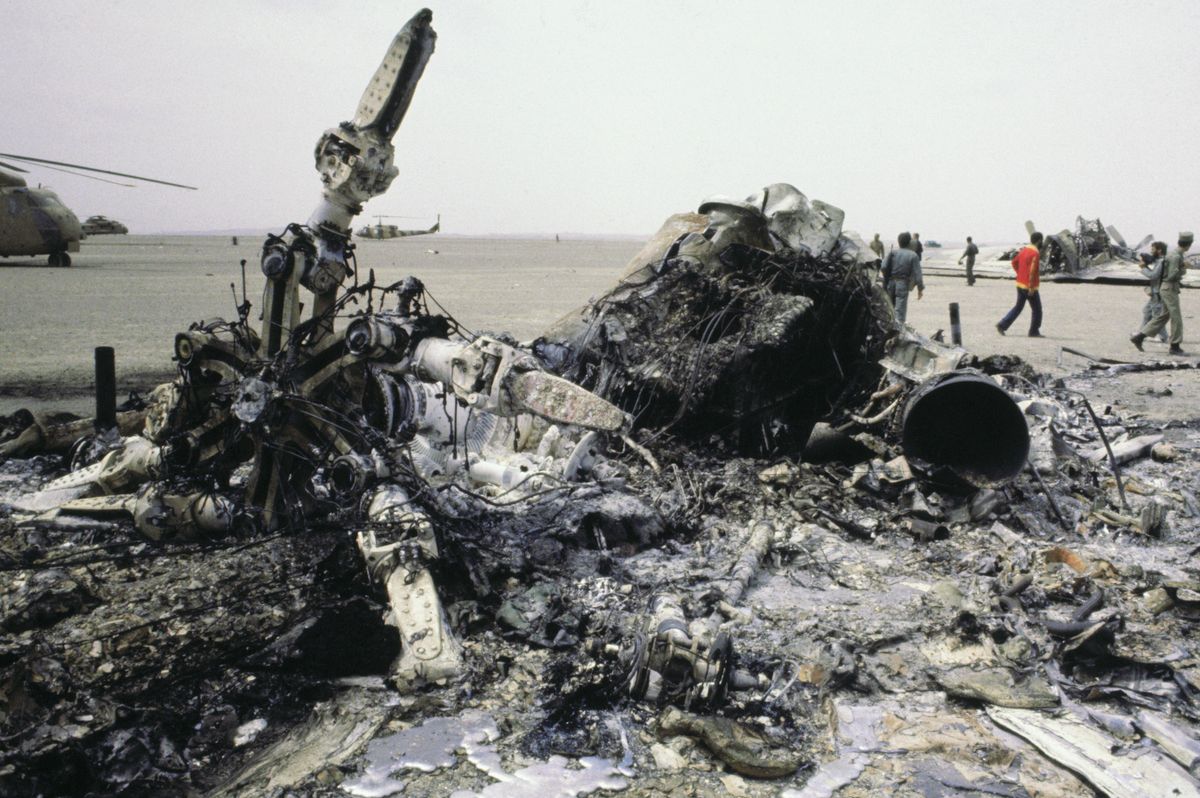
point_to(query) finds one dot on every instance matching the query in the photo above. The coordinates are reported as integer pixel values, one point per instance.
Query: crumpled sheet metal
(813, 227)
(997, 687)
(335, 732)
(1096, 757)
(931, 749)
(917, 358)
(1178, 743)
(678, 225)
(870, 603)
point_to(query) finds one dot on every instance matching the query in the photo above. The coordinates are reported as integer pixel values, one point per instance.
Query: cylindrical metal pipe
(350, 475)
(106, 388)
(434, 359)
(955, 325)
(964, 424)
(503, 476)
(926, 531)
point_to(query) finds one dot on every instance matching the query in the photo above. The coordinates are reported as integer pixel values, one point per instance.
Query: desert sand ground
(135, 292)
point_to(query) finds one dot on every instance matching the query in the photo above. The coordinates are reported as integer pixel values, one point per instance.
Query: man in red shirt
(1025, 264)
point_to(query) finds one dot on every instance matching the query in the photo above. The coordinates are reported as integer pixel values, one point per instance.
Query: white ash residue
(436, 744)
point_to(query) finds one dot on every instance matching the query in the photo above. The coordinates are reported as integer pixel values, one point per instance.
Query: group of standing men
(901, 273)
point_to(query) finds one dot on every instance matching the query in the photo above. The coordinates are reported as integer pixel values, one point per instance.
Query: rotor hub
(253, 396)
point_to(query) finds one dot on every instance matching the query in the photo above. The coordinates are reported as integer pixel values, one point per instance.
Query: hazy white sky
(952, 118)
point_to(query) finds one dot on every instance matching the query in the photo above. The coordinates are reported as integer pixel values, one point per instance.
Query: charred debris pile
(847, 522)
(741, 322)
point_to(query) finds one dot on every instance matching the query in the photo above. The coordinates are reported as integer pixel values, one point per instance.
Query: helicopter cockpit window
(42, 200)
(14, 206)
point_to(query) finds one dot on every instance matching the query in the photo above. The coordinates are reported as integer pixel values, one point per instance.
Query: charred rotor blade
(27, 159)
(387, 96)
(13, 168)
(560, 400)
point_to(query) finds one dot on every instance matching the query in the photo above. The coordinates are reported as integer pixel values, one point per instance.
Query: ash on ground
(1036, 639)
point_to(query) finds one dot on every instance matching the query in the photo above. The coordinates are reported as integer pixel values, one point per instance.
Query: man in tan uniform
(1173, 270)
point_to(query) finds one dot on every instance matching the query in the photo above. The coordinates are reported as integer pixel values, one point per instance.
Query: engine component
(669, 666)
(941, 428)
(162, 515)
(429, 652)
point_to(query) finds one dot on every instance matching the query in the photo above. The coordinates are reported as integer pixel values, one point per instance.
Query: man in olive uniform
(877, 246)
(917, 246)
(1154, 273)
(901, 271)
(1173, 270)
(969, 253)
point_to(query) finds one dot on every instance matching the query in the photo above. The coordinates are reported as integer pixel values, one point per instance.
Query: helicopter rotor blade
(13, 167)
(27, 159)
(89, 177)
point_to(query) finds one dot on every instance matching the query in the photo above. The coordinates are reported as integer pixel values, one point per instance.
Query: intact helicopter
(102, 226)
(381, 230)
(34, 221)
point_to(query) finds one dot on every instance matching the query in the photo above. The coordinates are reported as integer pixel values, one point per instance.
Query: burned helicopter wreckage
(1090, 246)
(747, 324)
(758, 334)
(345, 419)
(465, 468)
(773, 326)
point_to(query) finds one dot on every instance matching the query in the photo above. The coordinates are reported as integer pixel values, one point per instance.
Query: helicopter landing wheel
(60, 259)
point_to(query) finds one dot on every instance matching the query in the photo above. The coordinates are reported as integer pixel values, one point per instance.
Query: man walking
(969, 253)
(1154, 273)
(1026, 264)
(1174, 268)
(917, 246)
(902, 271)
(877, 246)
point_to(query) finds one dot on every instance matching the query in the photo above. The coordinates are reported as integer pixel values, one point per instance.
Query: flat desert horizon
(135, 292)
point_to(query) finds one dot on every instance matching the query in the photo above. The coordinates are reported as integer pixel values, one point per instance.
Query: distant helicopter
(381, 230)
(34, 221)
(102, 225)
